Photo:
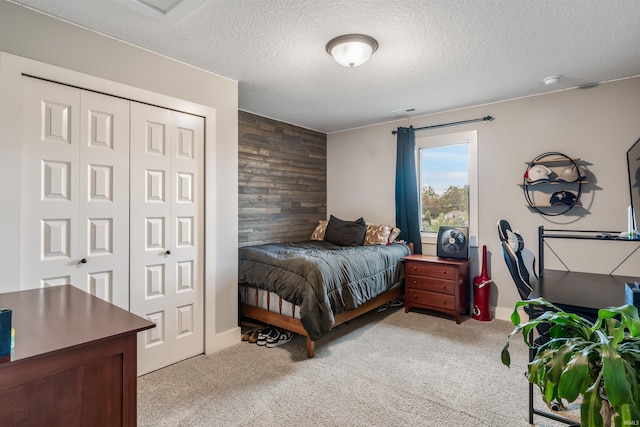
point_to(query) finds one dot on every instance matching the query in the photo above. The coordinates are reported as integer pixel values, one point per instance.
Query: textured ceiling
(434, 55)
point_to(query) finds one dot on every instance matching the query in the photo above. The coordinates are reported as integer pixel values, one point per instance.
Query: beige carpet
(384, 369)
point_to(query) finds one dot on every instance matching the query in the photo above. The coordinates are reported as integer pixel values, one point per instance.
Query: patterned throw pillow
(318, 233)
(377, 235)
(394, 235)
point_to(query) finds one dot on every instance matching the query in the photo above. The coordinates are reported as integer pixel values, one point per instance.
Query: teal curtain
(407, 207)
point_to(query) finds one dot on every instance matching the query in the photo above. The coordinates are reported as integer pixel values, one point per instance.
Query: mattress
(320, 278)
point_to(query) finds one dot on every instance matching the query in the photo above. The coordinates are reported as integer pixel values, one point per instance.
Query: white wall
(597, 125)
(41, 38)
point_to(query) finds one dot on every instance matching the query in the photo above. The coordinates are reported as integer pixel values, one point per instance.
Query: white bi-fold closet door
(166, 227)
(75, 190)
(112, 202)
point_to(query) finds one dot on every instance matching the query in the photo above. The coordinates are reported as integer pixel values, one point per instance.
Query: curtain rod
(482, 119)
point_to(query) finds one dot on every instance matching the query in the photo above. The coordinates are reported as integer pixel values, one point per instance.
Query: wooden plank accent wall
(282, 180)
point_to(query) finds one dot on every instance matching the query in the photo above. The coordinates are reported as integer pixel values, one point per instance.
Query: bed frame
(290, 323)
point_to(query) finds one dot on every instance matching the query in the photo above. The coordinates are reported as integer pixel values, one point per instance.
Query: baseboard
(502, 313)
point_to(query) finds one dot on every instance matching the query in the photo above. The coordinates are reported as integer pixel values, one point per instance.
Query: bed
(312, 286)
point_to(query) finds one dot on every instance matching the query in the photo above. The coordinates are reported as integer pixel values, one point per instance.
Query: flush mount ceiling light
(551, 80)
(352, 50)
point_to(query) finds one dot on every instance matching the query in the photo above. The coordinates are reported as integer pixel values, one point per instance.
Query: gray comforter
(322, 278)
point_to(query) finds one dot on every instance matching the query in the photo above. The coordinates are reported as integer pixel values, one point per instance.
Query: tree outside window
(444, 185)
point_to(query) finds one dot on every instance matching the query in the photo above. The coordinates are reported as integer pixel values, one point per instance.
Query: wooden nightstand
(438, 284)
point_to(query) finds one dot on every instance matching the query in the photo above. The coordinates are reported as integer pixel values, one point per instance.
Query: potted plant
(599, 361)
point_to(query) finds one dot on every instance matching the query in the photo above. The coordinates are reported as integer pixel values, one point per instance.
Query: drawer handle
(444, 301)
(415, 296)
(415, 282)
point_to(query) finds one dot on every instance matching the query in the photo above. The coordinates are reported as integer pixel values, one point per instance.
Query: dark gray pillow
(345, 233)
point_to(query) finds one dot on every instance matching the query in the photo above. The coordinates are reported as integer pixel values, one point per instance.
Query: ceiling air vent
(162, 10)
(404, 111)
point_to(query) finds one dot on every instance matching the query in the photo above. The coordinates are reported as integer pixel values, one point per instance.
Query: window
(447, 174)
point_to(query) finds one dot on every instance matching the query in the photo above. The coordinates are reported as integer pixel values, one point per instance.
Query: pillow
(394, 235)
(345, 233)
(318, 233)
(377, 235)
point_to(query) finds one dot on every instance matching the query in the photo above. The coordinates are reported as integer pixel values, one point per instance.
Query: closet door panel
(49, 203)
(75, 201)
(187, 211)
(150, 269)
(166, 215)
(104, 194)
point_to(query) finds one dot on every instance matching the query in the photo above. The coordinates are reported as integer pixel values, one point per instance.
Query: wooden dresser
(74, 362)
(437, 284)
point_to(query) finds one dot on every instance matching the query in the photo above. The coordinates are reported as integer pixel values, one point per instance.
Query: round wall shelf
(552, 183)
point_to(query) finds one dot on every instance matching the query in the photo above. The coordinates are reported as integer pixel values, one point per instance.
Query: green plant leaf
(504, 354)
(560, 357)
(627, 415)
(616, 385)
(537, 370)
(515, 316)
(583, 358)
(549, 391)
(631, 350)
(628, 314)
(615, 330)
(574, 378)
(590, 408)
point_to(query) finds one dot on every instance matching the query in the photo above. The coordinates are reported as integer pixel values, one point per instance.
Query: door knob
(167, 253)
(83, 261)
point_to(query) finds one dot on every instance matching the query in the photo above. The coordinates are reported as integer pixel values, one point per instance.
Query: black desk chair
(523, 277)
(512, 246)
(524, 274)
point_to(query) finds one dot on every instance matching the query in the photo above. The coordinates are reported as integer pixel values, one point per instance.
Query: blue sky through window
(444, 166)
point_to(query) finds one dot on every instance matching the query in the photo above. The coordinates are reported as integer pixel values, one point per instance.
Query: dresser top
(436, 260)
(58, 317)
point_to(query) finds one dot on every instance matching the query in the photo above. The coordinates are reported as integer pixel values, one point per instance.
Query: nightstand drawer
(431, 299)
(430, 270)
(430, 284)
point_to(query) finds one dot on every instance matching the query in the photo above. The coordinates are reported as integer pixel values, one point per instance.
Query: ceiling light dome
(352, 50)
(551, 80)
